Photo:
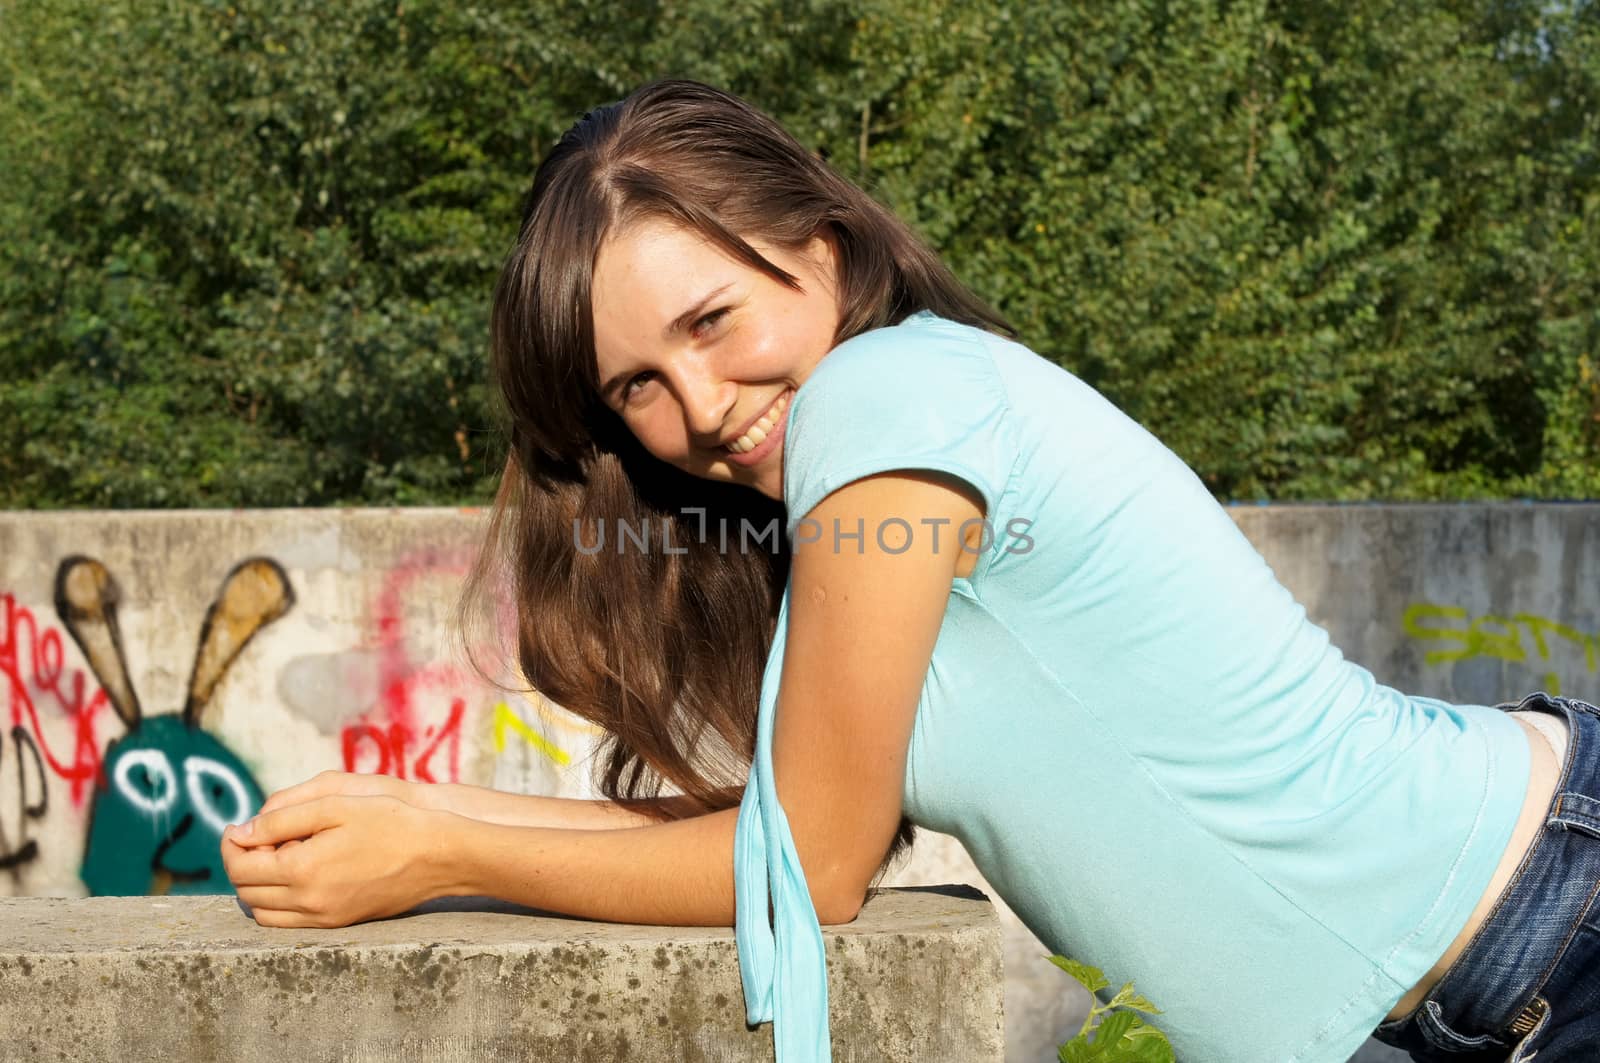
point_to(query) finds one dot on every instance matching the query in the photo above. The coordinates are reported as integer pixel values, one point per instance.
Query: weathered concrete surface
(1470, 603)
(916, 978)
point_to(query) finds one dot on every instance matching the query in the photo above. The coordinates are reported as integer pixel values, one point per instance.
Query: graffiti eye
(146, 779)
(217, 793)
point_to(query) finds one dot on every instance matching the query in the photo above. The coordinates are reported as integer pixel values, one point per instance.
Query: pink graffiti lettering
(390, 739)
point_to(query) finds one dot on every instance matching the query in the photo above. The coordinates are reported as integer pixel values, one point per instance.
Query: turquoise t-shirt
(1149, 751)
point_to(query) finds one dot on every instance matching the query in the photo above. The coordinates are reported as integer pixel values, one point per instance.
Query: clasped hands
(339, 849)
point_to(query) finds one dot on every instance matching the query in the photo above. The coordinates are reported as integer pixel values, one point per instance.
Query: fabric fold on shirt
(782, 964)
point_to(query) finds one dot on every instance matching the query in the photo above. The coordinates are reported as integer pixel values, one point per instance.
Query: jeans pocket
(1431, 1024)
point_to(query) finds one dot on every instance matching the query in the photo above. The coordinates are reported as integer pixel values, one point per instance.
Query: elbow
(839, 870)
(837, 903)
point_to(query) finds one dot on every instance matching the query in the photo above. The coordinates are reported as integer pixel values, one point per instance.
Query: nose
(707, 396)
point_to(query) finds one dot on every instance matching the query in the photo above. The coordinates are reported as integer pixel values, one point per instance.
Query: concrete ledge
(917, 977)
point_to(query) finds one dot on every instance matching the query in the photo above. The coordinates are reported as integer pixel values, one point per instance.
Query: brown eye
(638, 380)
(709, 321)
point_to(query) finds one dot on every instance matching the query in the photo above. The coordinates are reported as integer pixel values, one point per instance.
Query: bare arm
(490, 805)
(570, 813)
(476, 802)
(861, 633)
(528, 810)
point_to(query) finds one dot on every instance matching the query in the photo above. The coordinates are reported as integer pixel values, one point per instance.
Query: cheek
(661, 435)
(809, 334)
(790, 348)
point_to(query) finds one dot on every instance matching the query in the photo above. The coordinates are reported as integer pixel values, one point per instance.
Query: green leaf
(1127, 998)
(1147, 1046)
(1144, 1043)
(1109, 1034)
(1121, 1035)
(1077, 1051)
(1091, 978)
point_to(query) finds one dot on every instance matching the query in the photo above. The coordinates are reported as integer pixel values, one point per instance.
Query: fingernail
(247, 828)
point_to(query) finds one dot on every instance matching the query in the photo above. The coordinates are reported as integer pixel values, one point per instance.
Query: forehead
(646, 275)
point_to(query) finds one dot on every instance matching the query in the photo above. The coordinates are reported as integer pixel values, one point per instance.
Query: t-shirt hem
(800, 507)
(1349, 1027)
(1505, 785)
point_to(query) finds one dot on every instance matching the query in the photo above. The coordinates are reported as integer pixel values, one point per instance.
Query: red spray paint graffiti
(45, 673)
(391, 739)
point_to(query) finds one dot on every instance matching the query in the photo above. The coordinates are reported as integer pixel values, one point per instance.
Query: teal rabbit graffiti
(168, 788)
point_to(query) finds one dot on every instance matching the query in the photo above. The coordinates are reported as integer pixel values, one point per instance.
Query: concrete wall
(193, 980)
(1470, 603)
(197, 660)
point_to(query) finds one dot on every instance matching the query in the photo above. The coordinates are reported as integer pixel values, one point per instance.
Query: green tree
(246, 249)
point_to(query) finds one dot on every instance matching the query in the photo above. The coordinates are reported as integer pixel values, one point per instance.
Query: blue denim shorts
(1528, 984)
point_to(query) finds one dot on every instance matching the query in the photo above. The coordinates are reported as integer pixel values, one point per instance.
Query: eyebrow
(677, 324)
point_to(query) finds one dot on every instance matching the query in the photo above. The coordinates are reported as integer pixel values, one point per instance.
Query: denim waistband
(1498, 989)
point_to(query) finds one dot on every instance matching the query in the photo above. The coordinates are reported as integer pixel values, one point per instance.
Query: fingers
(256, 866)
(335, 784)
(290, 919)
(279, 800)
(290, 822)
(324, 784)
(269, 898)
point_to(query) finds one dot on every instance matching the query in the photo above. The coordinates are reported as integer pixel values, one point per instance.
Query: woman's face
(700, 354)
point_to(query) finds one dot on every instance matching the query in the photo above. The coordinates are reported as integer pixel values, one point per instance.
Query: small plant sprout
(1113, 1032)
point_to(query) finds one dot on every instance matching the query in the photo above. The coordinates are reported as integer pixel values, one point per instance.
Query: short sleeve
(924, 394)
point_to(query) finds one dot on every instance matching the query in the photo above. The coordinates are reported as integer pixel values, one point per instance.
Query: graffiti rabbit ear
(86, 600)
(253, 594)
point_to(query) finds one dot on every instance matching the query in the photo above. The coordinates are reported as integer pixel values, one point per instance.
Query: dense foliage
(1322, 250)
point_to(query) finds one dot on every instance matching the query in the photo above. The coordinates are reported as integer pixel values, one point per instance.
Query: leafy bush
(246, 248)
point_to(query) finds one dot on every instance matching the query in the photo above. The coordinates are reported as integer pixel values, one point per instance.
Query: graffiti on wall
(160, 795)
(395, 705)
(151, 804)
(32, 802)
(508, 724)
(400, 708)
(156, 826)
(1549, 648)
(36, 681)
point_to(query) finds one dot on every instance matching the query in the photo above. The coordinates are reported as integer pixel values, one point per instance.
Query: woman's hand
(333, 861)
(347, 784)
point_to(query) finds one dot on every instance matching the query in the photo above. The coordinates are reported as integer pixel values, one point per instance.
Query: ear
(254, 594)
(86, 601)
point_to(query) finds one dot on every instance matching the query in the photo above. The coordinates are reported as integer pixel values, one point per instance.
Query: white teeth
(758, 432)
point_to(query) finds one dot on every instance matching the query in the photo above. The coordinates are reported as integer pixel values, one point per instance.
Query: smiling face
(700, 354)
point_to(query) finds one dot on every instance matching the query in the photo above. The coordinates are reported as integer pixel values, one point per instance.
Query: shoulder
(921, 395)
(924, 356)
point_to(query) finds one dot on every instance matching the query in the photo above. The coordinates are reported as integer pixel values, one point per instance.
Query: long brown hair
(663, 650)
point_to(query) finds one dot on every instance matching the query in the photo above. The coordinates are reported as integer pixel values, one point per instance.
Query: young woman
(997, 607)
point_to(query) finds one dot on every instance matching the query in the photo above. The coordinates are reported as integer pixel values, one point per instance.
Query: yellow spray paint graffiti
(506, 719)
(1521, 638)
